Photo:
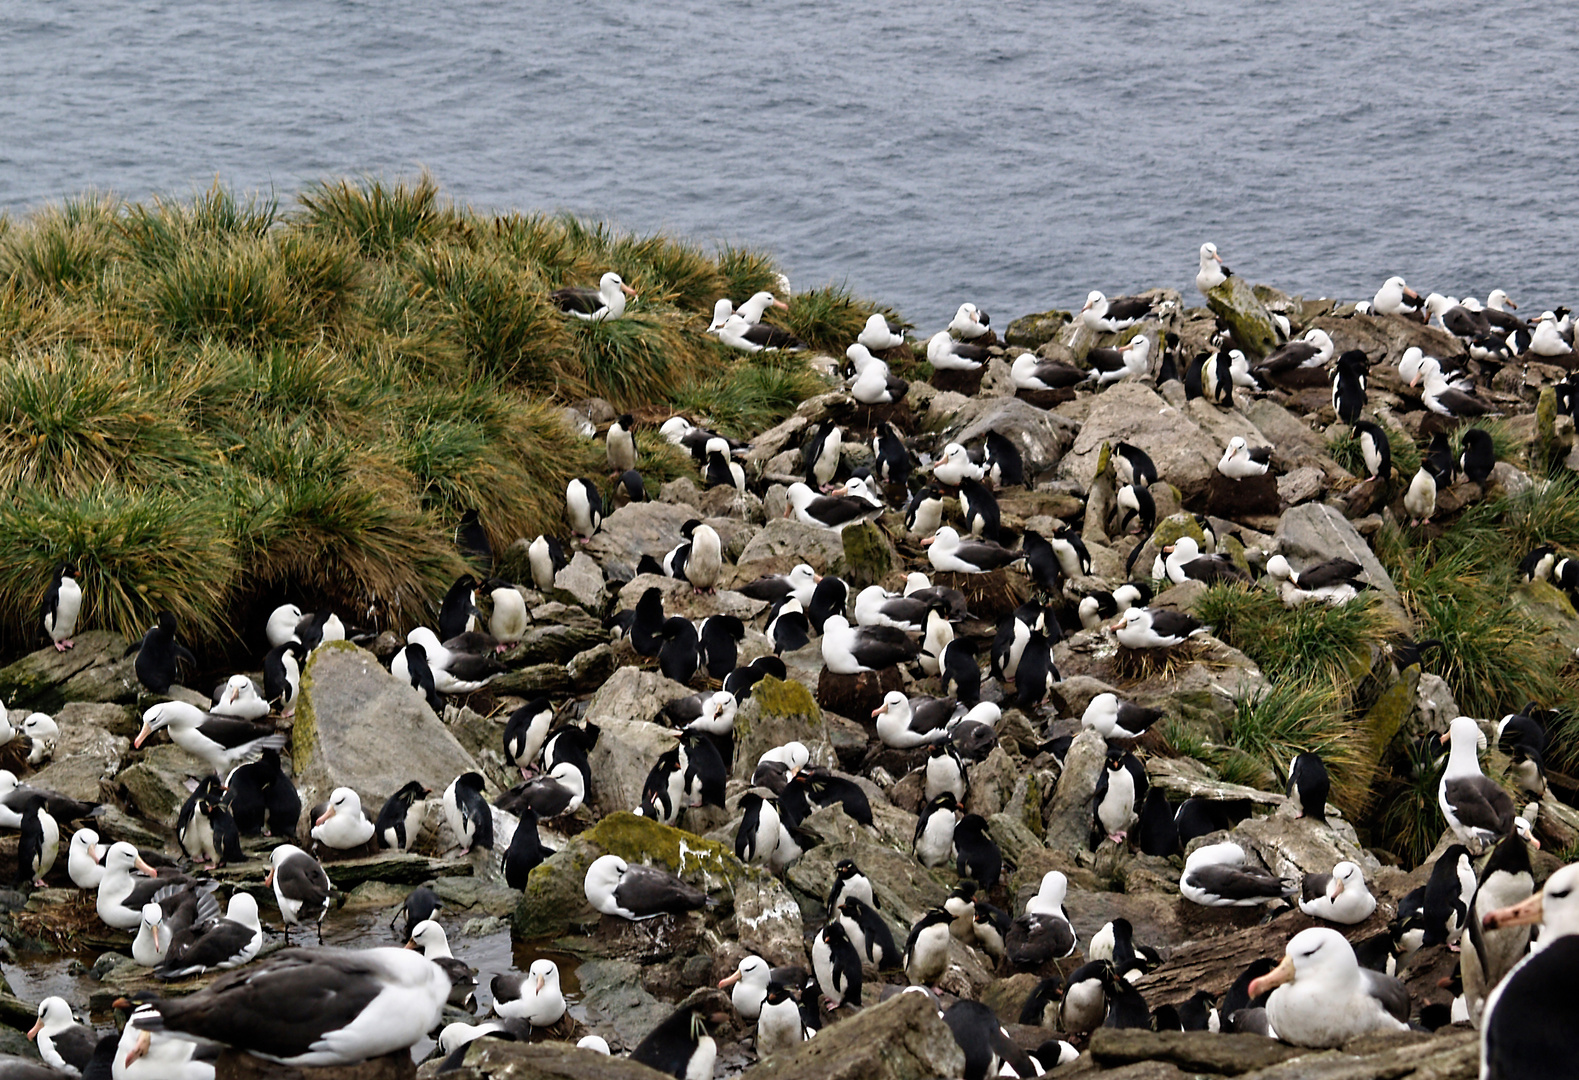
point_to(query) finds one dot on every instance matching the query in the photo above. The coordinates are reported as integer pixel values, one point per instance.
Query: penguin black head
(688, 530)
(411, 792)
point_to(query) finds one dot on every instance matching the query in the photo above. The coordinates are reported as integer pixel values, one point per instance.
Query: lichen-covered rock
(555, 900)
(43, 680)
(869, 555)
(901, 1039)
(776, 713)
(360, 727)
(1236, 303)
(1029, 331)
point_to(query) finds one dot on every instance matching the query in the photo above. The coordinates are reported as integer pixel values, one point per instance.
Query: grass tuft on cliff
(300, 401)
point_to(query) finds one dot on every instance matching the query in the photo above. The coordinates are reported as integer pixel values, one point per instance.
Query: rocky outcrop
(901, 1039)
(490, 1059)
(783, 542)
(1041, 436)
(97, 670)
(1316, 532)
(358, 726)
(1030, 331)
(1134, 413)
(629, 741)
(1236, 303)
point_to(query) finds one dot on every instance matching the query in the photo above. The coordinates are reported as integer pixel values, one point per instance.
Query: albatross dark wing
(1480, 803)
(279, 1007)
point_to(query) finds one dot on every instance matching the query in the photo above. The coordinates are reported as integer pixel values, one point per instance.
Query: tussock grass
(1405, 455)
(70, 421)
(305, 401)
(830, 318)
(378, 218)
(65, 249)
(1410, 817)
(752, 395)
(638, 358)
(1296, 716)
(313, 512)
(1493, 655)
(1313, 640)
(161, 232)
(502, 320)
(1508, 447)
(744, 272)
(137, 551)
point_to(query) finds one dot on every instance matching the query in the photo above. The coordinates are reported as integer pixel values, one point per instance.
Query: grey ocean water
(1017, 154)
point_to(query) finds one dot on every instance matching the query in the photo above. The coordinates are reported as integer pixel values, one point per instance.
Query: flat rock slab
(901, 1039)
(358, 726)
(236, 1065)
(497, 1060)
(1204, 1051)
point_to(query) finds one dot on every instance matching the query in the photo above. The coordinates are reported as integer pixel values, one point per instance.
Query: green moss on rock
(1387, 716)
(868, 557)
(1030, 331)
(786, 698)
(1170, 528)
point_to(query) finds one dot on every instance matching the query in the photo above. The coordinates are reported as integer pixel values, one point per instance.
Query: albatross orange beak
(33, 1031)
(1525, 913)
(142, 735)
(144, 867)
(782, 304)
(325, 816)
(729, 980)
(630, 292)
(928, 541)
(1279, 975)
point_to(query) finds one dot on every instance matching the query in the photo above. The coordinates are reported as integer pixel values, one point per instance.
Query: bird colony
(878, 723)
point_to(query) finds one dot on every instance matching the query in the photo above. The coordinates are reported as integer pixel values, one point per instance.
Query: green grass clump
(503, 321)
(159, 233)
(312, 398)
(69, 422)
(1404, 454)
(636, 359)
(379, 219)
(1292, 717)
(745, 272)
(1494, 657)
(1410, 816)
(65, 250)
(829, 319)
(137, 552)
(316, 512)
(752, 395)
(1332, 640)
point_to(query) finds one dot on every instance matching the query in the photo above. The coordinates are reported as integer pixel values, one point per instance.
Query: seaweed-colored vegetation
(216, 404)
